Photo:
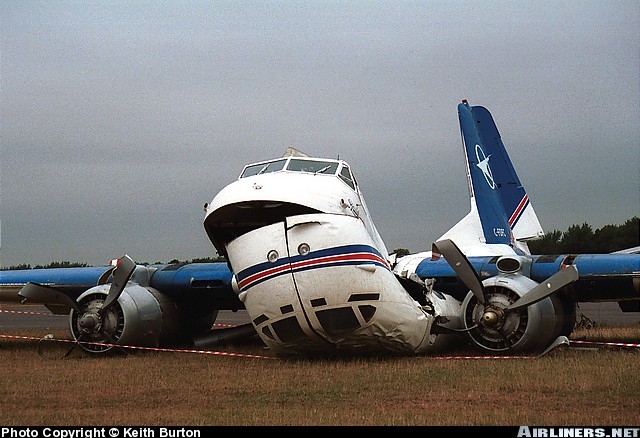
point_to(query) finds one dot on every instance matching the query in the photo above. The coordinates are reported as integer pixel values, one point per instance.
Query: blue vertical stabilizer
(522, 219)
(482, 150)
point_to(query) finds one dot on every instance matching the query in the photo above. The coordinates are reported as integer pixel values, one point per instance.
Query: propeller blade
(561, 340)
(546, 288)
(121, 275)
(452, 254)
(105, 275)
(48, 295)
(72, 347)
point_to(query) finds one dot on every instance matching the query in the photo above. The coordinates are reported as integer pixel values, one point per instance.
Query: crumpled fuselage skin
(310, 266)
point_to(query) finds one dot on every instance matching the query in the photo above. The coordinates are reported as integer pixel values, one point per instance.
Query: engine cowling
(528, 329)
(142, 316)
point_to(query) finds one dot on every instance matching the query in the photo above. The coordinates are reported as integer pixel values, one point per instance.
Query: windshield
(301, 165)
(323, 167)
(260, 168)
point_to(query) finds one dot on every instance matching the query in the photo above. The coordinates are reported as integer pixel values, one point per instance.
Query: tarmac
(15, 316)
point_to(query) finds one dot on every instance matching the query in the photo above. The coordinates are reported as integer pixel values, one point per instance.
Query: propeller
(40, 293)
(461, 265)
(549, 286)
(121, 275)
(47, 294)
(493, 317)
(452, 254)
(90, 320)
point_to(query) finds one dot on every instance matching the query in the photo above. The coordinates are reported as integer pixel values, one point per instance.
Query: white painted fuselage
(310, 265)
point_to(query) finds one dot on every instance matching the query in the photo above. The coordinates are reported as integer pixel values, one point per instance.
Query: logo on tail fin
(483, 164)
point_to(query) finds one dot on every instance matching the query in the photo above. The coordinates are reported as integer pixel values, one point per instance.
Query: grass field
(570, 386)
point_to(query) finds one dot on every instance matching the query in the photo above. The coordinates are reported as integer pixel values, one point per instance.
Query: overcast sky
(120, 119)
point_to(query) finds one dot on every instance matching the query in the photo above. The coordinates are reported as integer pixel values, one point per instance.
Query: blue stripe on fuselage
(325, 258)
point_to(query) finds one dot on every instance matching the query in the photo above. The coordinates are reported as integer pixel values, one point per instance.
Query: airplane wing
(634, 250)
(158, 303)
(70, 281)
(206, 283)
(602, 277)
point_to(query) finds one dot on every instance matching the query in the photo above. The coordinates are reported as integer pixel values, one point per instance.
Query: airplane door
(260, 259)
(336, 268)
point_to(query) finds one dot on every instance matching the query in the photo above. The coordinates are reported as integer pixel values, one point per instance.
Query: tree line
(578, 239)
(583, 239)
(67, 264)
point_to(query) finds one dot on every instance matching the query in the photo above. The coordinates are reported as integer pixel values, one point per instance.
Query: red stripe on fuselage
(316, 262)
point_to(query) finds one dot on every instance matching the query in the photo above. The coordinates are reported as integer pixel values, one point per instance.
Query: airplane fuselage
(310, 266)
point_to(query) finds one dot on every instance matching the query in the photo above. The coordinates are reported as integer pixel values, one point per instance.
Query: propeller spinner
(495, 314)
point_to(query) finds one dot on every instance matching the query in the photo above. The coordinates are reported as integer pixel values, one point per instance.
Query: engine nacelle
(142, 316)
(531, 328)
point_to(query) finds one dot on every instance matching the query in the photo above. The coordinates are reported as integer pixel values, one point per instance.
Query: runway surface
(16, 316)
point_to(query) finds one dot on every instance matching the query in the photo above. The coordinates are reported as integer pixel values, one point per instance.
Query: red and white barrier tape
(482, 357)
(572, 343)
(133, 347)
(210, 352)
(223, 353)
(22, 312)
(606, 344)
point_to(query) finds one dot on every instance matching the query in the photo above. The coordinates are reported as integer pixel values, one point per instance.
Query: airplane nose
(317, 293)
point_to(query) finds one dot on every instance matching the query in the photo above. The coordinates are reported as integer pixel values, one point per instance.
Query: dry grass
(567, 387)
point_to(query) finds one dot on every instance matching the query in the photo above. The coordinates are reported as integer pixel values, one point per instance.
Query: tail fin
(500, 209)
(520, 214)
(482, 183)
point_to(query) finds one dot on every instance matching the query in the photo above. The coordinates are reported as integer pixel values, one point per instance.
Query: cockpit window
(345, 175)
(260, 168)
(301, 165)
